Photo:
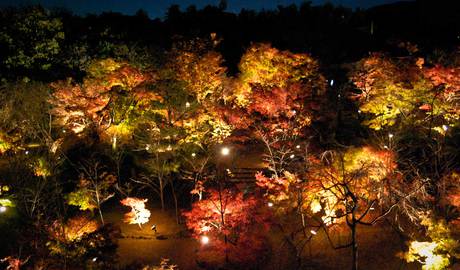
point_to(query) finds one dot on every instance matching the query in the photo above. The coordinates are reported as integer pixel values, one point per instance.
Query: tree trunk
(162, 199)
(354, 246)
(99, 205)
(100, 214)
(175, 201)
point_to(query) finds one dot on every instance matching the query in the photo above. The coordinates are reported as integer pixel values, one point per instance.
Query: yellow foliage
(425, 253)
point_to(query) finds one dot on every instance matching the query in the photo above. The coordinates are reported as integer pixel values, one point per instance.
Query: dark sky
(157, 8)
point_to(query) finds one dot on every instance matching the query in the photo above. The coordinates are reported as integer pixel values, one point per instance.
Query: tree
(110, 101)
(138, 215)
(31, 40)
(335, 189)
(93, 188)
(347, 188)
(25, 122)
(275, 90)
(233, 224)
(438, 250)
(405, 92)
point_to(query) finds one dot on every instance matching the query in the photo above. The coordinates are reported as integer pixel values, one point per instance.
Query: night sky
(157, 8)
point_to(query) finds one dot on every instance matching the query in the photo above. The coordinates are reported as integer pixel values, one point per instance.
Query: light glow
(204, 240)
(2, 209)
(225, 151)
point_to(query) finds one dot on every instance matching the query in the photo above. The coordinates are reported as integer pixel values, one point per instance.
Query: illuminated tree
(275, 90)
(232, 225)
(72, 230)
(199, 67)
(404, 91)
(391, 91)
(436, 252)
(348, 188)
(94, 188)
(138, 215)
(184, 122)
(110, 101)
(24, 123)
(165, 264)
(336, 189)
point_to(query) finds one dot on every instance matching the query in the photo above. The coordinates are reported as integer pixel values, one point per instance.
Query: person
(154, 228)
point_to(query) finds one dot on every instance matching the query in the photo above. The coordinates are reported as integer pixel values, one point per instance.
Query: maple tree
(233, 224)
(110, 101)
(275, 91)
(73, 229)
(138, 214)
(405, 91)
(336, 189)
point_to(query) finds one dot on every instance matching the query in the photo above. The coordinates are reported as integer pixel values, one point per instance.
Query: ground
(140, 245)
(378, 246)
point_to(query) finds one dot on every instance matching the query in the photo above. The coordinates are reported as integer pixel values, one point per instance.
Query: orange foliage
(74, 229)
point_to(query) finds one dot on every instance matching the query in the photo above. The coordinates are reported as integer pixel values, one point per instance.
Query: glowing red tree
(229, 224)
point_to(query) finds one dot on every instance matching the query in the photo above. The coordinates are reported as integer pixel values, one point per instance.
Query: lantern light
(225, 151)
(2, 209)
(204, 240)
(270, 204)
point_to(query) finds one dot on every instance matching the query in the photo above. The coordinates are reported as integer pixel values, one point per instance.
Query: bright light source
(225, 151)
(445, 127)
(27, 152)
(187, 104)
(372, 208)
(270, 204)
(204, 240)
(385, 146)
(147, 147)
(390, 135)
(193, 155)
(294, 111)
(2, 209)
(332, 82)
(94, 259)
(359, 111)
(292, 156)
(169, 148)
(313, 232)
(298, 146)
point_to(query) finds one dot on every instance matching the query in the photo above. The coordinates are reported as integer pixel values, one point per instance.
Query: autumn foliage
(139, 214)
(235, 225)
